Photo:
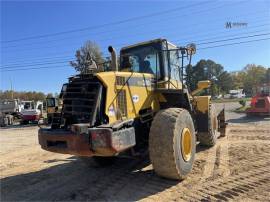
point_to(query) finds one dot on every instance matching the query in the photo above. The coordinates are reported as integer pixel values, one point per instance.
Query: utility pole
(11, 87)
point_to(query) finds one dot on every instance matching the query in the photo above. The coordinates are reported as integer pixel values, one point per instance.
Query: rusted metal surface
(107, 142)
(65, 142)
(83, 142)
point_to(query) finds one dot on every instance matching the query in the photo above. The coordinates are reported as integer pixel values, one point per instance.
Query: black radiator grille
(122, 102)
(79, 100)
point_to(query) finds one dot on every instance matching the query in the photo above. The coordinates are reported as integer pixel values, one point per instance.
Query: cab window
(175, 65)
(141, 59)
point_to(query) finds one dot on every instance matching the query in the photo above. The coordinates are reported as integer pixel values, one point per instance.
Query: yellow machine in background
(141, 104)
(52, 107)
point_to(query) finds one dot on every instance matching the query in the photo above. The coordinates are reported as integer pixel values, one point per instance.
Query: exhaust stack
(114, 58)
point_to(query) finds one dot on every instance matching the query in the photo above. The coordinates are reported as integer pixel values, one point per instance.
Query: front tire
(209, 138)
(172, 143)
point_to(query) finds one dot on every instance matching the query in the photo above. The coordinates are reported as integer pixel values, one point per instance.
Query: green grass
(241, 109)
(222, 100)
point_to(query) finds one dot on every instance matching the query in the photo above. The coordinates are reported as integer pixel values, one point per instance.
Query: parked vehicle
(8, 110)
(260, 103)
(31, 111)
(141, 104)
(52, 106)
(237, 93)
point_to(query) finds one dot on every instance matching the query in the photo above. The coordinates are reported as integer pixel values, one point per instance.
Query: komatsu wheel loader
(141, 103)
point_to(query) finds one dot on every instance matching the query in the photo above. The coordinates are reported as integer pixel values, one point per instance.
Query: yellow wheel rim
(186, 142)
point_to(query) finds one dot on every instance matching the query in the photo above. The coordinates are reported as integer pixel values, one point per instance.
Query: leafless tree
(88, 57)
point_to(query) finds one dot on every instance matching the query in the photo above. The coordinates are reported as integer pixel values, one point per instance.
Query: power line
(102, 32)
(51, 59)
(135, 34)
(106, 24)
(56, 59)
(39, 59)
(35, 64)
(117, 45)
(217, 33)
(236, 43)
(11, 70)
(66, 57)
(106, 39)
(203, 48)
(66, 61)
(217, 41)
(124, 44)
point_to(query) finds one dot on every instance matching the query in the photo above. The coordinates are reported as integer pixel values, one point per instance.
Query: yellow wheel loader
(140, 104)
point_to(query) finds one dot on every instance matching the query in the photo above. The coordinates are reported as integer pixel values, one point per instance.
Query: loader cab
(52, 104)
(158, 57)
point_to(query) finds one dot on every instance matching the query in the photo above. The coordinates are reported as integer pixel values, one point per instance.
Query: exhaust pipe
(114, 58)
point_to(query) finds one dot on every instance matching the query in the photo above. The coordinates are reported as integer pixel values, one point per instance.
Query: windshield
(141, 59)
(28, 105)
(50, 102)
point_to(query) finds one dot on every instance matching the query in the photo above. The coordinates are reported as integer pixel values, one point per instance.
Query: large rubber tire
(99, 160)
(165, 143)
(209, 138)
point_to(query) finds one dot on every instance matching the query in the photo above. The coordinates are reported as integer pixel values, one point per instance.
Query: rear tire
(209, 138)
(171, 158)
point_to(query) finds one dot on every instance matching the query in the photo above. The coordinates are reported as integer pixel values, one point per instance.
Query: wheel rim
(186, 142)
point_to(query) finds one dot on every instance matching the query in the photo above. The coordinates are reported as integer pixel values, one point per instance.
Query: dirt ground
(236, 169)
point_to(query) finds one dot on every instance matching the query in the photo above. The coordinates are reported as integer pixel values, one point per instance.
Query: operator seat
(146, 67)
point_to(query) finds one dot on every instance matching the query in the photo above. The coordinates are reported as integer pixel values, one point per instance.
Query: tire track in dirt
(230, 188)
(233, 186)
(224, 158)
(208, 169)
(236, 168)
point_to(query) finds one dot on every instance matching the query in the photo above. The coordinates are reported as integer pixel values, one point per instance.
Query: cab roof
(148, 42)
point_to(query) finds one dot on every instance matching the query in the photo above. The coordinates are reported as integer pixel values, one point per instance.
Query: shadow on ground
(19, 126)
(249, 119)
(74, 180)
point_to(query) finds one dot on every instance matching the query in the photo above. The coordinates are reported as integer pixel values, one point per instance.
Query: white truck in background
(8, 110)
(237, 93)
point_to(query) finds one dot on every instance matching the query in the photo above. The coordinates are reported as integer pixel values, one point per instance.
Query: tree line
(248, 79)
(90, 55)
(25, 95)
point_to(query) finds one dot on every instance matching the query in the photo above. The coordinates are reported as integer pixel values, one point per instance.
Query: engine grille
(122, 102)
(80, 100)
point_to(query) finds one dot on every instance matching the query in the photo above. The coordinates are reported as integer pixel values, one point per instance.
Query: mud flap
(222, 123)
